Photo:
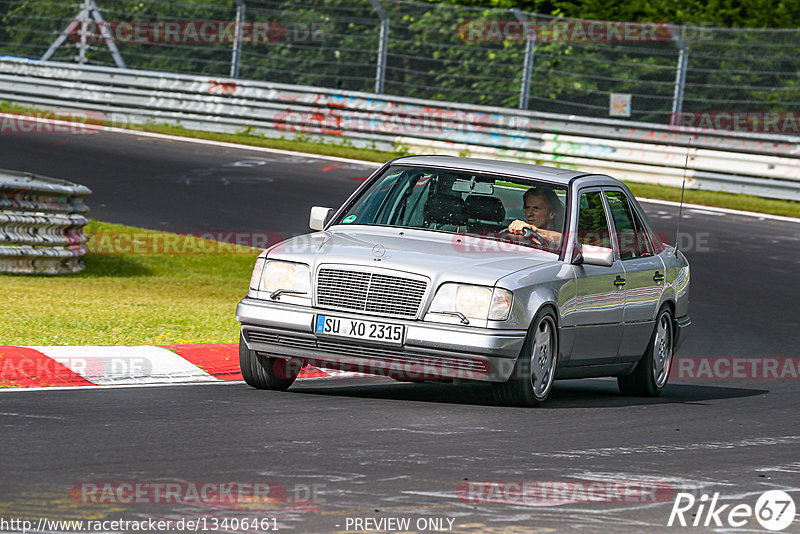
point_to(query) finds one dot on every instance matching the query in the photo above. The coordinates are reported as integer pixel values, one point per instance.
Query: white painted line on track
(208, 142)
(13, 414)
(302, 380)
(721, 210)
(119, 386)
(608, 452)
(706, 212)
(225, 144)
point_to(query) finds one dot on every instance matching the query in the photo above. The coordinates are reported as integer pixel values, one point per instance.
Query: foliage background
(741, 65)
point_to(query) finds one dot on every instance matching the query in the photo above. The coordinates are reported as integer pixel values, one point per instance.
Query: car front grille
(385, 354)
(369, 292)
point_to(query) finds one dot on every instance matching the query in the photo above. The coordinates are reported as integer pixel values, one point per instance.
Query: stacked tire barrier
(41, 224)
(766, 165)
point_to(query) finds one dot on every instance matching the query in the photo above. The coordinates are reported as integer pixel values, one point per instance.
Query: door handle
(658, 277)
(619, 282)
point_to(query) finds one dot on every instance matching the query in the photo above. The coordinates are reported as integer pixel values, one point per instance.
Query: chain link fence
(490, 57)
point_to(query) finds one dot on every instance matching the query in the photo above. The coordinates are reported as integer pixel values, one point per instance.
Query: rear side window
(623, 224)
(645, 247)
(631, 234)
(654, 242)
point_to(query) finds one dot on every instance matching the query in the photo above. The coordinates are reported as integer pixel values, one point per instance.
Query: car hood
(439, 256)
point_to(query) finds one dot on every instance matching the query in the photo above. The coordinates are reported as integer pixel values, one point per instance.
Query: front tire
(533, 374)
(651, 374)
(264, 372)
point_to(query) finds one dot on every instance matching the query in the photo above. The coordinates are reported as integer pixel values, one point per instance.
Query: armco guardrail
(41, 224)
(758, 164)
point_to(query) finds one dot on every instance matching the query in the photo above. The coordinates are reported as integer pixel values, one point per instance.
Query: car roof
(525, 170)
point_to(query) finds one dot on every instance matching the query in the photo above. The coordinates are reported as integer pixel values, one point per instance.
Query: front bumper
(428, 351)
(681, 330)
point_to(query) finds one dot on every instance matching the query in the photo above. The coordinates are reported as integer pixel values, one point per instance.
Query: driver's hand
(518, 227)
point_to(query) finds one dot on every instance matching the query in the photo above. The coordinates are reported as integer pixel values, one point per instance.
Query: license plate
(357, 329)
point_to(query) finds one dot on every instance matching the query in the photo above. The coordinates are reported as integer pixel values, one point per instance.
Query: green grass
(127, 298)
(708, 198)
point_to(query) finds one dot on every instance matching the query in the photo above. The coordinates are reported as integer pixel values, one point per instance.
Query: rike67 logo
(774, 510)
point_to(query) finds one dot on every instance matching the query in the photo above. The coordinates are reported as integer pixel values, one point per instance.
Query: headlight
(474, 302)
(295, 278)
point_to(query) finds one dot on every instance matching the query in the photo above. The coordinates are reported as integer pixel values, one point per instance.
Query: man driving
(542, 211)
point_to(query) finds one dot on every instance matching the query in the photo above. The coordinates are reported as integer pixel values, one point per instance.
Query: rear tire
(264, 372)
(651, 374)
(532, 378)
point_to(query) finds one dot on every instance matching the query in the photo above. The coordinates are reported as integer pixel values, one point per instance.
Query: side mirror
(319, 216)
(593, 255)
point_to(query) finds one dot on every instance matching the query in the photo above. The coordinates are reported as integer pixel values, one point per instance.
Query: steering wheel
(527, 233)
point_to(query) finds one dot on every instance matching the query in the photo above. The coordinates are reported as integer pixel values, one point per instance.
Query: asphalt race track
(336, 452)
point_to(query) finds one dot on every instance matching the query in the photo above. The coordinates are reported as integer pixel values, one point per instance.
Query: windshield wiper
(278, 292)
(460, 315)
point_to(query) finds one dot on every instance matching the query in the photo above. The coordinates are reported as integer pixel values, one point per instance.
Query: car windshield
(462, 202)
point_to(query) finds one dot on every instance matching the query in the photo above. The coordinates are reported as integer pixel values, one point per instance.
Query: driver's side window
(592, 221)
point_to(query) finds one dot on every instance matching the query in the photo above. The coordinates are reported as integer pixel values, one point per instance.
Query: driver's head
(541, 206)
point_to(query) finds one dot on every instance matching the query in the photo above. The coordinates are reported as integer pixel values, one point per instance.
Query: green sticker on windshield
(349, 219)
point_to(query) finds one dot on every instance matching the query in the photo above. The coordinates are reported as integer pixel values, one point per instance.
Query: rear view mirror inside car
(473, 187)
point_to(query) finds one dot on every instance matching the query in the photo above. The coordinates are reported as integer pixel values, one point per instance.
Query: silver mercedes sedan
(445, 268)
